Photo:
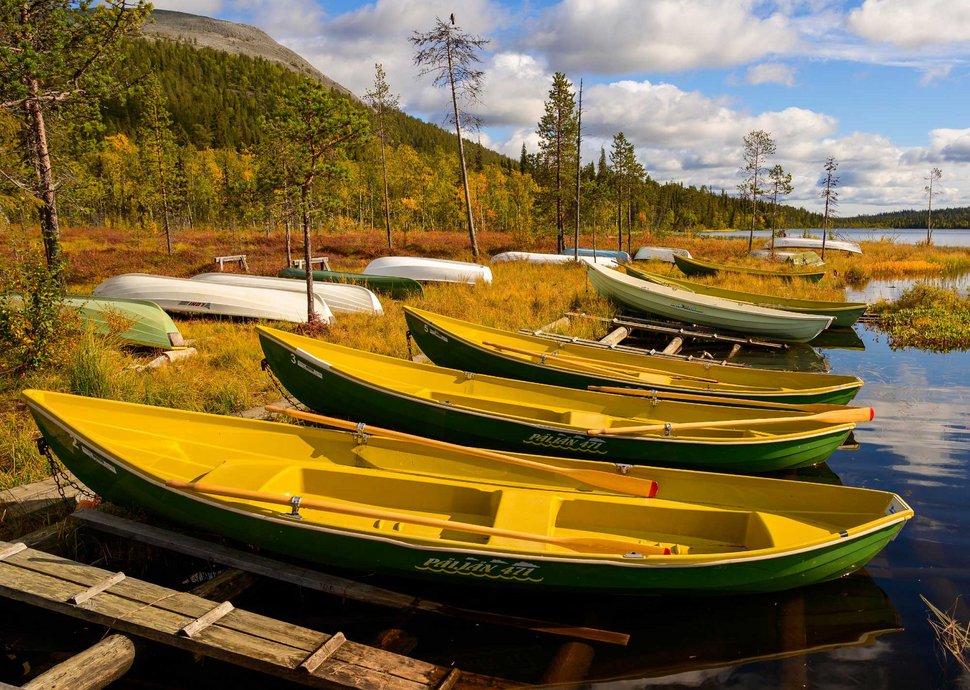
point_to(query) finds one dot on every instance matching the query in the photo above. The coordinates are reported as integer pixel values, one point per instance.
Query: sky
(883, 86)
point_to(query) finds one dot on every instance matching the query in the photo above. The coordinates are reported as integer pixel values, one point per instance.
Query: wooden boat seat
(524, 511)
(497, 406)
(586, 420)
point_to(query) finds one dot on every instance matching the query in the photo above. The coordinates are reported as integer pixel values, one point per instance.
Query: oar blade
(618, 483)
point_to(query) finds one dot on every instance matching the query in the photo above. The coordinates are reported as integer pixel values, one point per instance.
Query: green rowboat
(402, 508)
(671, 302)
(458, 344)
(491, 412)
(392, 286)
(697, 267)
(844, 314)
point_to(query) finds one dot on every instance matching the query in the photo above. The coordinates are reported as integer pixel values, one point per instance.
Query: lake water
(941, 238)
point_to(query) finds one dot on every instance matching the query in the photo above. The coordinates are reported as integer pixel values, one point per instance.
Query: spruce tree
(557, 132)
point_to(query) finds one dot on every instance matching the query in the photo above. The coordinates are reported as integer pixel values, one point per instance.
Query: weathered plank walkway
(215, 629)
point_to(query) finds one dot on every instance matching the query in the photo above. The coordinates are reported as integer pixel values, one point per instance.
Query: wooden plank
(20, 501)
(322, 582)
(323, 652)
(239, 637)
(96, 589)
(92, 669)
(450, 680)
(673, 347)
(616, 336)
(11, 549)
(228, 584)
(207, 619)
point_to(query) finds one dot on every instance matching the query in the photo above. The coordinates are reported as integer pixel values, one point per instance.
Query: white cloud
(771, 73)
(615, 37)
(912, 24)
(206, 8)
(936, 73)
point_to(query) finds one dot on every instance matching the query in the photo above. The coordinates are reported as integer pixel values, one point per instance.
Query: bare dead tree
(935, 174)
(831, 196)
(449, 55)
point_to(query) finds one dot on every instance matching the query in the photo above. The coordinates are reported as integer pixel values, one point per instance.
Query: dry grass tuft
(951, 635)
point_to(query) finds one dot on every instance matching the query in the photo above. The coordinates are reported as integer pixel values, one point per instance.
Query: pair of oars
(849, 415)
(596, 365)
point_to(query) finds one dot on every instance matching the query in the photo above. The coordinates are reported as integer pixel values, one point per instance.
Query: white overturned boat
(795, 258)
(429, 270)
(684, 305)
(200, 297)
(814, 243)
(538, 258)
(659, 254)
(340, 297)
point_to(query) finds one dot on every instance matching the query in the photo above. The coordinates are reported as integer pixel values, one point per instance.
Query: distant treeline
(218, 170)
(943, 219)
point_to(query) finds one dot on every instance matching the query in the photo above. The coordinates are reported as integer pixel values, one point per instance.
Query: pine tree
(780, 186)
(557, 132)
(381, 101)
(158, 144)
(758, 146)
(831, 196)
(935, 174)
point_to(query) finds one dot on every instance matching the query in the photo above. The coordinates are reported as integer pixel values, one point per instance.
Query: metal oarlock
(359, 434)
(294, 508)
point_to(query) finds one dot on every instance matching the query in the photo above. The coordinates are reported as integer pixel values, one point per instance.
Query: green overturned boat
(491, 412)
(844, 314)
(134, 321)
(393, 286)
(698, 267)
(450, 342)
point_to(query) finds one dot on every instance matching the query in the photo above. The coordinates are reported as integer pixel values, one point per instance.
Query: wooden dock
(216, 629)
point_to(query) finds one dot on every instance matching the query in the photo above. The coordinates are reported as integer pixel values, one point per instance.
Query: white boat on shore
(539, 258)
(429, 270)
(814, 243)
(659, 254)
(341, 298)
(212, 299)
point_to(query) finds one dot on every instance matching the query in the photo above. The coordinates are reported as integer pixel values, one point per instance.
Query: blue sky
(881, 85)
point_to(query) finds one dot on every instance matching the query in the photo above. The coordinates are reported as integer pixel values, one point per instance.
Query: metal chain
(60, 475)
(264, 365)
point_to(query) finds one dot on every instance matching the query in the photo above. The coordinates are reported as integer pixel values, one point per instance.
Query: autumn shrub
(926, 317)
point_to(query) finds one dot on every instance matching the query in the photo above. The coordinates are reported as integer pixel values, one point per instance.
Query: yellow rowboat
(529, 417)
(458, 344)
(395, 507)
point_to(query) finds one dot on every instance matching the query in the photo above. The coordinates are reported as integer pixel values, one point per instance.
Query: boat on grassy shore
(134, 321)
(659, 254)
(429, 270)
(395, 287)
(341, 298)
(458, 344)
(814, 243)
(793, 258)
(539, 258)
(185, 296)
(698, 267)
(844, 314)
(505, 414)
(619, 257)
(453, 514)
(680, 304)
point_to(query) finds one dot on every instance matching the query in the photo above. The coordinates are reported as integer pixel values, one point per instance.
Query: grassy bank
(224, 377)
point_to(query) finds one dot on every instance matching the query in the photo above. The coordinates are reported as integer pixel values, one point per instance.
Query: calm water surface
(941, 238)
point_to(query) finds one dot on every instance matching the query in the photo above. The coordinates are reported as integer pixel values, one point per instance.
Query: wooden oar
(604, 480)
(592, 362)
(864, 413)
(597, 544)
(830, 417)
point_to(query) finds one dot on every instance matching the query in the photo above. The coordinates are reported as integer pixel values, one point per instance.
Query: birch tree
(449, 54)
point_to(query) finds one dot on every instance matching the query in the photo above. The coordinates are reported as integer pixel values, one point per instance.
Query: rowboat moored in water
(395, 287)
(844, 314)
(451, 514)
(697, 267)
(340, 297)
(458, 344)
(429, 270)
(680, 304)
(210, 299)
(498, 413)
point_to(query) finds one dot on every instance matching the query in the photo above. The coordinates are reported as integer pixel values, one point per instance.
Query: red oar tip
(872, 413)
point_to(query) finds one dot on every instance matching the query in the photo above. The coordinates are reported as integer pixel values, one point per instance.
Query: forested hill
(219, 78)
(943, 219)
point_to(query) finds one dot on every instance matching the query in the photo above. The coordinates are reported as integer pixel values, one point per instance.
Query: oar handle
(575, 543)
(611, 482)
(848, 416)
